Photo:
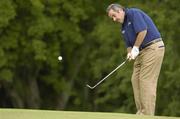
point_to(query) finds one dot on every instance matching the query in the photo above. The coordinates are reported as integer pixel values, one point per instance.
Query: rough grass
(46, 114)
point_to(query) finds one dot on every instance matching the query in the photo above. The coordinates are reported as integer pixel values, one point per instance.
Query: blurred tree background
(33, 33)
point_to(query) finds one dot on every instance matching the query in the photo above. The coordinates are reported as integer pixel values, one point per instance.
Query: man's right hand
(129, 56)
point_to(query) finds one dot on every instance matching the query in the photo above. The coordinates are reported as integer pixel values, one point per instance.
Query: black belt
(151, 42)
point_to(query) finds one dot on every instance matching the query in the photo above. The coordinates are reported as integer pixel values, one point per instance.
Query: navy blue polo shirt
(136, 21)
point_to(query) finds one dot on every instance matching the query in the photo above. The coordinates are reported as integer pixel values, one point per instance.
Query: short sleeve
(138, 22)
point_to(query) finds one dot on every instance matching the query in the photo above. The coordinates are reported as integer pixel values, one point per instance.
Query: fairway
(45, 114)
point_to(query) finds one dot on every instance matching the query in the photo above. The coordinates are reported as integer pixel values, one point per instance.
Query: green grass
(46, 114)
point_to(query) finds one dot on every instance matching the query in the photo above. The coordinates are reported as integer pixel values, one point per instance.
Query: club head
(89, 86)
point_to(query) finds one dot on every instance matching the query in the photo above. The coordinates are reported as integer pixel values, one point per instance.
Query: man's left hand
(134, 52)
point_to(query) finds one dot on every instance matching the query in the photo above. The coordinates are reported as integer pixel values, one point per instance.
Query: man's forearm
(134, 51)
(140, 37)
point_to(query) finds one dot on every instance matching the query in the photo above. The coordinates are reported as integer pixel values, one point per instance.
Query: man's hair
(114, 7)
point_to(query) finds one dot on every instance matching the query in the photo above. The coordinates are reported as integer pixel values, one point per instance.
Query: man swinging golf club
(144, 46)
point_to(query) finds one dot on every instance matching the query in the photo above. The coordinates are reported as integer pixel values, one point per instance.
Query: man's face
(117, 16)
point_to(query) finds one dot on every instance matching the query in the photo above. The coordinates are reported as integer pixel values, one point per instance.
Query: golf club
(92, 87)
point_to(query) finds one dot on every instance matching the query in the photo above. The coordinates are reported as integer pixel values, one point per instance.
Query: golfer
(144, 46)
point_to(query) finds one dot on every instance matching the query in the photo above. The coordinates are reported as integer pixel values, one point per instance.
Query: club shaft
(109, 74)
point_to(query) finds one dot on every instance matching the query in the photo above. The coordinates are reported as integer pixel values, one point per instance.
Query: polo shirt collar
(125, 17)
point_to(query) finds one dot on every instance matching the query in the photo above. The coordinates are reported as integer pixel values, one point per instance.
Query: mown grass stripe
(47, 114)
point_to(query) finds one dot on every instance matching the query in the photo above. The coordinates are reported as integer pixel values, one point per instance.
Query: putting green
(46, 114)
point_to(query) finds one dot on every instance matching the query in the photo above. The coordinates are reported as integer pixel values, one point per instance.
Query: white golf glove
(134, 52)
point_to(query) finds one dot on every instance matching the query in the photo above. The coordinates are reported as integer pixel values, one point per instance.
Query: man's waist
(151, 42)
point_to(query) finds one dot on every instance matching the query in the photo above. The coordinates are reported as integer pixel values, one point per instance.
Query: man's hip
(153, 42)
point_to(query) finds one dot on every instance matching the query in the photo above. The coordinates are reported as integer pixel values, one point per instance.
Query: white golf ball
(60, 58)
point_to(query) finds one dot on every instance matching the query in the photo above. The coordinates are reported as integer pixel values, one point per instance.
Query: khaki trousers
(146, 71)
